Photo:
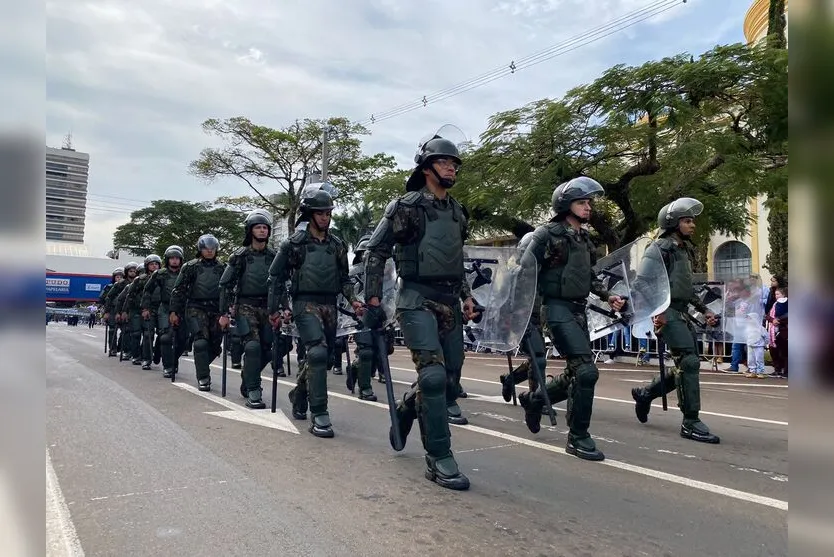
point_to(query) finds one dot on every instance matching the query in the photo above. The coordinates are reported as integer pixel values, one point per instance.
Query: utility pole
(325, 151)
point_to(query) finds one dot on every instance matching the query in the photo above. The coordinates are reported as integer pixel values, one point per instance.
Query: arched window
(732, 260)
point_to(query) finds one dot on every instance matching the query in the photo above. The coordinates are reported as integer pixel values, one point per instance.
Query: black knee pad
(365, 353)
(432, 380)
(252, 349)
(587, 373)
(201, 345)
(689, 363)
(317, 355)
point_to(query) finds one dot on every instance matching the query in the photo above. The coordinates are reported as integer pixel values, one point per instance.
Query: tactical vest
(207, 282)
(437, 253)
(569, 279)
(167, 286)
(319, 272)
(679, 268)
(253, 282)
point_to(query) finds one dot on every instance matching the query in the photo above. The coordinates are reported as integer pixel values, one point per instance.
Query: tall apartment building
(66, 194)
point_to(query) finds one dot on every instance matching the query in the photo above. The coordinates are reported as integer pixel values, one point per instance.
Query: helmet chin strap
(445, 183)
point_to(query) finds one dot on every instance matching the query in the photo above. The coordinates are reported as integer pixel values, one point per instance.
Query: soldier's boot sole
(368, 396)
(322, 432)
(146, 366)
(506, 387)
(595, 455)
(204, 386)
(532, 412)
(337, 371)
(167, 373)
(255, 403)
(136, 362)
(643, 404)
(689, 433)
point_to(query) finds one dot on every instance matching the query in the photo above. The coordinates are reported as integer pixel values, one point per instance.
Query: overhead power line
(577, 41)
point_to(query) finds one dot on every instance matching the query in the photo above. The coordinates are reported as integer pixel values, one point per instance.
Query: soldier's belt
(206, 305)
(447, 294)
(321, 299)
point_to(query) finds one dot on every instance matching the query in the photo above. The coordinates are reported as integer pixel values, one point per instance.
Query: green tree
(167, 222)
(676, 127)
(351, 226)
(285, 158)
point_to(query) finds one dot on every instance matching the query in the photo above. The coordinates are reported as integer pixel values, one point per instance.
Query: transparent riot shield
(635, 272)
(503, 283)
(743, 310)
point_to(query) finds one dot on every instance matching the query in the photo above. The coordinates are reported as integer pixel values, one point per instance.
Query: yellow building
(733, 257)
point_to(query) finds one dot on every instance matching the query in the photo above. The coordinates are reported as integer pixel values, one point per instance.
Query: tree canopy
(712, 127)
(281, 160)
(167, 222)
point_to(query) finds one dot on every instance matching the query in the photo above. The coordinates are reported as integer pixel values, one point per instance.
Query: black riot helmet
(152, 258)
(118, 272)
(256, 216)
(132, 265)
(207, 241)
(669, 216)
(173, 251)
(315, 200)
(574, 190)
(437, 146)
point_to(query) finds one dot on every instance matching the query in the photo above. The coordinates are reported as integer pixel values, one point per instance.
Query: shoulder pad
(666, 243)
(412, 199)
(269, 251)
(298, 237)
(555, 228)
(238, 252)
(193, 262)
(337, 240)
(391, 208)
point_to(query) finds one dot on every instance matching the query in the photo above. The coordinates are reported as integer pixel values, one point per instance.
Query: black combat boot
(337, 371)
(461, 392)
(533, 406)
(584, 448)
(146, 365)
(299, 404)
(167, 373)
(321, 426)
(254, 400)
(236, 366)
(695, 429)
(204, 384)
(454, 414)
(643, 403)
(445, 473)
(367, 394)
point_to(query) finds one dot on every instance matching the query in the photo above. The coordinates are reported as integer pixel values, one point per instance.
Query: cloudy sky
(134, 80)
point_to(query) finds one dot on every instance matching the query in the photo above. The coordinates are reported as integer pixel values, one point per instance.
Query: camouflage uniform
(318, 271)
(195, 298)
(163, 281)
(110, 309)
(244, 289)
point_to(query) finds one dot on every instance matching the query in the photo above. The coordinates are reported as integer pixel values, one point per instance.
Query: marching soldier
(244, 294)
(365, 347)
(676, 221)
(119, 296)
(315, 261)
(565, 255)
(156, 300)
(147, 326)
(196, 298)
(425, 230)
(109, 316)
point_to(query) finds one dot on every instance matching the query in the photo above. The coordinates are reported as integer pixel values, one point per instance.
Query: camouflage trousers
(208, 337)
(316, 325)
(255, 333)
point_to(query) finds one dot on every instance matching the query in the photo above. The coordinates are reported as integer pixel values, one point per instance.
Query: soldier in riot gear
(196, 297)
(676, 221)
(425, 230)
(365, 347)
(156, 301)
(132, 314)
(146, 325)
(566, 256)
(106, 303)
(315, 262)
(122, 317)
(244, 294)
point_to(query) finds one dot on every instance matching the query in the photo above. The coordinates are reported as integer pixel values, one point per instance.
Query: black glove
(374, 317)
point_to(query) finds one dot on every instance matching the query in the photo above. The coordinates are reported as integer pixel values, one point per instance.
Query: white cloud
(134, 80)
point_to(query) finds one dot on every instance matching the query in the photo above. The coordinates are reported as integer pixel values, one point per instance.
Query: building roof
(80, 265)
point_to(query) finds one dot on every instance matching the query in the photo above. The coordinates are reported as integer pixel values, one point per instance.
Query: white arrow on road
(236, 412)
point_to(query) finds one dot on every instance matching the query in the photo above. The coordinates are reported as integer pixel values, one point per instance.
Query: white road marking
(237, 412)
(657, 474)
(61, 537)
(714, 383)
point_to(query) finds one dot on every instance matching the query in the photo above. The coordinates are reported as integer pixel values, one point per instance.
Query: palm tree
(352, 226)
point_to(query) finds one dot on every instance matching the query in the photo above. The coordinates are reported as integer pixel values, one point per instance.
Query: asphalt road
(143, 467)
